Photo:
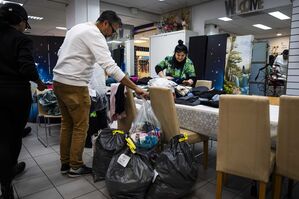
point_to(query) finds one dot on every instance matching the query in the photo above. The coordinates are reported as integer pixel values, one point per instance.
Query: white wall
(293, 67)
(278, 44)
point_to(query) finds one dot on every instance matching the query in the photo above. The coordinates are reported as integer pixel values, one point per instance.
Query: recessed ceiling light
(161, 0)
(4, 2)
(138, 41)
(114, 42)
(35, 17)
(278, 34)
(61, 28)
(261, 26)
(279, 15)
(225, 19)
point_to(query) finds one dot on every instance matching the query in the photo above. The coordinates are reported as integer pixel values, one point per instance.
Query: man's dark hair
(110, 16)
(285, 52)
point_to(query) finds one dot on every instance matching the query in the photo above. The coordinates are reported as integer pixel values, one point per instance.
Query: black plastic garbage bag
(176, 169)
(109, 142)
(131, 181)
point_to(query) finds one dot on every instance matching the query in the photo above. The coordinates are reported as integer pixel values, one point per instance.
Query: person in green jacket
(179, 68)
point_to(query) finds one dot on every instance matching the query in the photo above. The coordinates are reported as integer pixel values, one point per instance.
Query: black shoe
(88, 145)
(19, 168)
(65, 168)
(80, 171)
(26, 131)
(7, 192)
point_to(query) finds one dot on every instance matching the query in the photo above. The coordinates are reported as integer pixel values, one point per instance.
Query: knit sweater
(83, 46)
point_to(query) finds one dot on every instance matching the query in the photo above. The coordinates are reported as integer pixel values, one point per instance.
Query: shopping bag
(145, 130)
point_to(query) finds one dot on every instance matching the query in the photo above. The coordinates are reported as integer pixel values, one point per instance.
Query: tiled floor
(42, 178)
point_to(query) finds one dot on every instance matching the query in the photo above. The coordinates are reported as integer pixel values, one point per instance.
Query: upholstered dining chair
(287, 147)
(206, 83)
(164, 108)
(131, 112)
(243, 140)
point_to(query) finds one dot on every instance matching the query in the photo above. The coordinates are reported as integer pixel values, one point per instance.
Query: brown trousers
(74, 104)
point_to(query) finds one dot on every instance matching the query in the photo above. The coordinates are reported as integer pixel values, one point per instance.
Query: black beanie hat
(16, 10)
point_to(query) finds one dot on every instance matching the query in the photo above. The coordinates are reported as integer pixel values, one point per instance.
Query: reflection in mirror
(256, 64)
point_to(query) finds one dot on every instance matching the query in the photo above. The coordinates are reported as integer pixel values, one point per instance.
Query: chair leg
(277, 186)
(206, 153)
(49, 126)
(262, 190)
(290, 187)
(219, 184)
(225, 179)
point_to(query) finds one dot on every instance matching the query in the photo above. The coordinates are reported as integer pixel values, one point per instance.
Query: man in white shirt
(281, 62)
(84, 45)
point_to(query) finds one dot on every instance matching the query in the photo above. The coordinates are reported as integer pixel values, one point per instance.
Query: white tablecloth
(204, 119)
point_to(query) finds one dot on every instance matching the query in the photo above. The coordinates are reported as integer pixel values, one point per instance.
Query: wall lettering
(238, 7)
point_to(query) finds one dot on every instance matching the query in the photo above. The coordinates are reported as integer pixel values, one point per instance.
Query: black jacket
(17, 65)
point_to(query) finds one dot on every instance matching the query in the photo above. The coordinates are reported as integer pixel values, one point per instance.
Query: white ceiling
(53, 12)
(155, 6)
(242, 25)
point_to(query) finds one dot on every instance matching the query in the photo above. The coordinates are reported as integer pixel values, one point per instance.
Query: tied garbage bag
(176, 171)
(129, 175)
(109, 142)
(145, 130)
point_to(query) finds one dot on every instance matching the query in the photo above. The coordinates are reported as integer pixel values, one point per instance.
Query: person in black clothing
(17, 68)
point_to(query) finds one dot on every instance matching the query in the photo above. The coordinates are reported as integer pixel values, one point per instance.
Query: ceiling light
(4, 2)
(61, 28)
(278, 34)
(279, 15)
(35, 17)
(139, 41)
(225, 19)
(114, 41)
(161, 0)
(261, 26)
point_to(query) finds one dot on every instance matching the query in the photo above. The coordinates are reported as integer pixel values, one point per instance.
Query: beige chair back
(164, 108)
(206, 83)
(287, 151)
(131, 112)
(243, 146)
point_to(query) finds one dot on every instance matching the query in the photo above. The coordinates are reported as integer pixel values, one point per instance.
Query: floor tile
(47, 158)
(46, 194)
(32, 185)
(93, 195)
(77, 188)
(24, 154)
(29, 173)
(209, 191)
(99, 185)
(105, 192)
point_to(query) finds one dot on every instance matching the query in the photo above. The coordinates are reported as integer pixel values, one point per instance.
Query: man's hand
(188, 82)
(169, 78)
(141, 92)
